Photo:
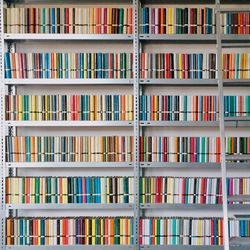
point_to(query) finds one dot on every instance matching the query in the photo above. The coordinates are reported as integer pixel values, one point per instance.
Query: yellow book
(199, 232)
(64, 190)
(102, 231)
(170, 27)
(87, 233)
(93, 231)
(93, 65)
(39, 231)
(152, 196)
(180, 66)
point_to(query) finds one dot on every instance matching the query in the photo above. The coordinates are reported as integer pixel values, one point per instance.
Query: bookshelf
(137, 41)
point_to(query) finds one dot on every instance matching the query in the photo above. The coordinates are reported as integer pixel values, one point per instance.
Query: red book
(184, 193)
(191, 21)
(66, 20)
(203, 190)
(220, 192)
(140, 232)
(247, 28)
(105, 26)
(158, 195)
(212, 232)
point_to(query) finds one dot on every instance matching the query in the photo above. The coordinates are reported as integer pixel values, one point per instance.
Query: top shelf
(209, 38)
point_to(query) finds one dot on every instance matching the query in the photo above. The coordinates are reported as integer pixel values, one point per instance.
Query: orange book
(111, 231)
(35, 232)
(130, 20)
(153, 231)
(47, 233)
(9, 232)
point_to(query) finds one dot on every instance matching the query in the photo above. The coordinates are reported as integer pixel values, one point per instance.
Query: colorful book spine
(69, 148)
(171, 21)
(236, 66)
(178, 66)
(190, 190)
(69, 108)
(119, 231)
(237, 23)
(69, 65)
(69, 231)
(68, 20)
(68, 190)
(189, 149)
(191, 108)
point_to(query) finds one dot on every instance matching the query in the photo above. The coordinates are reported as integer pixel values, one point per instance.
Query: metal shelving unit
(138, 167)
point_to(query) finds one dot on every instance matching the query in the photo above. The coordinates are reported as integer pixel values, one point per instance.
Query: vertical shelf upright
(222, 127)
(2, 132)
(136, 88)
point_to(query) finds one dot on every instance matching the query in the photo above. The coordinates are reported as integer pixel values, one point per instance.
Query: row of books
(120, 65)
(236, 65)
(120, 107)
(178, 21)
(170, 190)
(32, 190)
(119, 231)
(235, 23)
(189, 149)
(68, 20)
(159, 20)
(120, 148)
(191, 108)
(69, 107)
(69, 65)
(69, 149)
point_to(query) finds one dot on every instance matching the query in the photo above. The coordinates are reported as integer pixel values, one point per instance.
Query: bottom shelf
(118, 247)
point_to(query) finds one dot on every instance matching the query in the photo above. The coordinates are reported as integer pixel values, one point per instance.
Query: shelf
(242, 216)
(69, 164)
(122, 165)
(192, 165)
(179, 37)
(179, 123)
(240, 241)
(182, 247)
(206, 207)
(236, 83)
(68, 37)
(237, 118)
(75, 206)
(73, 247)
(180, 82)
(122, 247)
(235, 38)
(68, 81)
(239, 198)
(69, 123)
(237, 157)
(189, 207)
(235, 9)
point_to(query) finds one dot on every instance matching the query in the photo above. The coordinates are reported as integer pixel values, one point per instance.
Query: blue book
(88, 188)
(7, 65)
(21, 232)
(53, 20)
(42, 230)
(27, 139)
(79, 192)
